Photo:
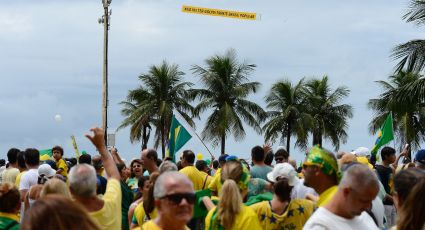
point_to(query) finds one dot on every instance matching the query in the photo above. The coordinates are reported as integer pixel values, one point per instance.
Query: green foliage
(402, 96)
(162, 90)
(288, 113)
(226, 88)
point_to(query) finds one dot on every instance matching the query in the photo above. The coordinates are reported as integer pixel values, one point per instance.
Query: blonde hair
(232, 170)
(55, 186)
(230, 204)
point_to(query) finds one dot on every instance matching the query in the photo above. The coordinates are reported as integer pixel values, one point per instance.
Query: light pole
(105, 21)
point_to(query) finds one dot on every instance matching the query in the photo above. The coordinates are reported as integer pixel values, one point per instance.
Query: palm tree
(138, 121)
(412, 53)
(226, 88)
(329, 116)
(402, 98)
(162, 90)
(288, 116)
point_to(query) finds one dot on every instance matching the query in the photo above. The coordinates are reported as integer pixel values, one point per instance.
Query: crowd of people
(347, 190)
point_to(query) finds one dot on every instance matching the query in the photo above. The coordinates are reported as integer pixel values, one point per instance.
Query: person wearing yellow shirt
(233, 190)
(174, 199)
(321, 173)
(105, 211)
(140, 216)
(203, 168)
(197, 178)
(282, 212)
(60, 163)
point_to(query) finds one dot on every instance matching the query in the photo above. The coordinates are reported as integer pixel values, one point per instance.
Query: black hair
(189, 156)
(141, 181)
(215, 164)
(21, 160)
(282, 189)
(281, 152)
(257, 153)
(405, 180)
(12, 155)
(269, 158)
(152, 154)
(158, 162)
(120, 167)
(32, 157)
(85, 159)
(201, 164)
(386, 152)
(58, 148)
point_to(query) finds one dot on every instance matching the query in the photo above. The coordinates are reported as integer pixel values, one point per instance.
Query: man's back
(260, 171)
(195, 176)
(324, 219)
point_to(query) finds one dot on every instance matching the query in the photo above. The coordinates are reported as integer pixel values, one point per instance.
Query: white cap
(362, 152)
(283, 170)
(47, 170)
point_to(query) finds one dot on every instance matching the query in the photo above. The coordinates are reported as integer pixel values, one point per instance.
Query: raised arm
(98, 141)
(116, 156)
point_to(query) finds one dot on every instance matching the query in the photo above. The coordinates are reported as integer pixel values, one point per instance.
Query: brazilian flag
(46, 154)
(385, 134)
(178, 137)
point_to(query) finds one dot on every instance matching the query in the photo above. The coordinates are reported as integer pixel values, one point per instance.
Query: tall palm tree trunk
(144, 138)
(163, 139)
(223, 143)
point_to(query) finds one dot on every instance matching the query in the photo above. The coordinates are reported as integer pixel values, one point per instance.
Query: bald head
(359, 176)
(169, 181)
(82, 180)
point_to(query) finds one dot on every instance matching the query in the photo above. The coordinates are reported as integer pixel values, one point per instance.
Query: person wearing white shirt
(347, 210)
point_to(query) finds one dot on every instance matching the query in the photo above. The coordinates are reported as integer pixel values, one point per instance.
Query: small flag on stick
(385, 135)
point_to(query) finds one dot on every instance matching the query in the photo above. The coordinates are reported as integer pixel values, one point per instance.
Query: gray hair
(359, 176)
(82, 180)
(160, 187)
(167, 166)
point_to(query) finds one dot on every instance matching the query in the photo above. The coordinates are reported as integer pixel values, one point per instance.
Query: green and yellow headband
(323, 159)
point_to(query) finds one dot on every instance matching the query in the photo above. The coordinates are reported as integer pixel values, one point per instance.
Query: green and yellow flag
(45, 154)
(178, 137)
(385, 135)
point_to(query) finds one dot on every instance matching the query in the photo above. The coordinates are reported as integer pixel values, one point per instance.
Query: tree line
(303, 109)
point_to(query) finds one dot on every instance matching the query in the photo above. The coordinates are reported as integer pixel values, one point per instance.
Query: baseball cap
(46, 170)
(222, 157)
(362, 152)
(283, 170)
(420, 156)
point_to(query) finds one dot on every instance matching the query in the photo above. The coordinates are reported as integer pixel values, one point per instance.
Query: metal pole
(105, 21)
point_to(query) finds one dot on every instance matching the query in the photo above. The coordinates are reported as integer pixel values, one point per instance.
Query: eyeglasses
(177, 198)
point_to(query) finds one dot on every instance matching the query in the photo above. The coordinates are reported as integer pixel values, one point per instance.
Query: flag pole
(193, 131)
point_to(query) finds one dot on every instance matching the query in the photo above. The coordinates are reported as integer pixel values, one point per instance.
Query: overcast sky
(51, 59)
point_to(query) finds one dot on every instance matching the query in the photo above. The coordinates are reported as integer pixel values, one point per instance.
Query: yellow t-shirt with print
(150, 225)
(215, 184)
(195, 176)
(327, 196)
(61, 164)
(246, 219)
(295, 216)
(140, 217)
(109, 217)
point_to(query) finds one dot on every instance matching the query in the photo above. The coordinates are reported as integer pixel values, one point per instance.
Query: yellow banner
(219, 13)
(74, 143)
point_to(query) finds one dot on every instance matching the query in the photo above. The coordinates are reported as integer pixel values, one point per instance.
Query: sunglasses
(177, 198)
(279, 159)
